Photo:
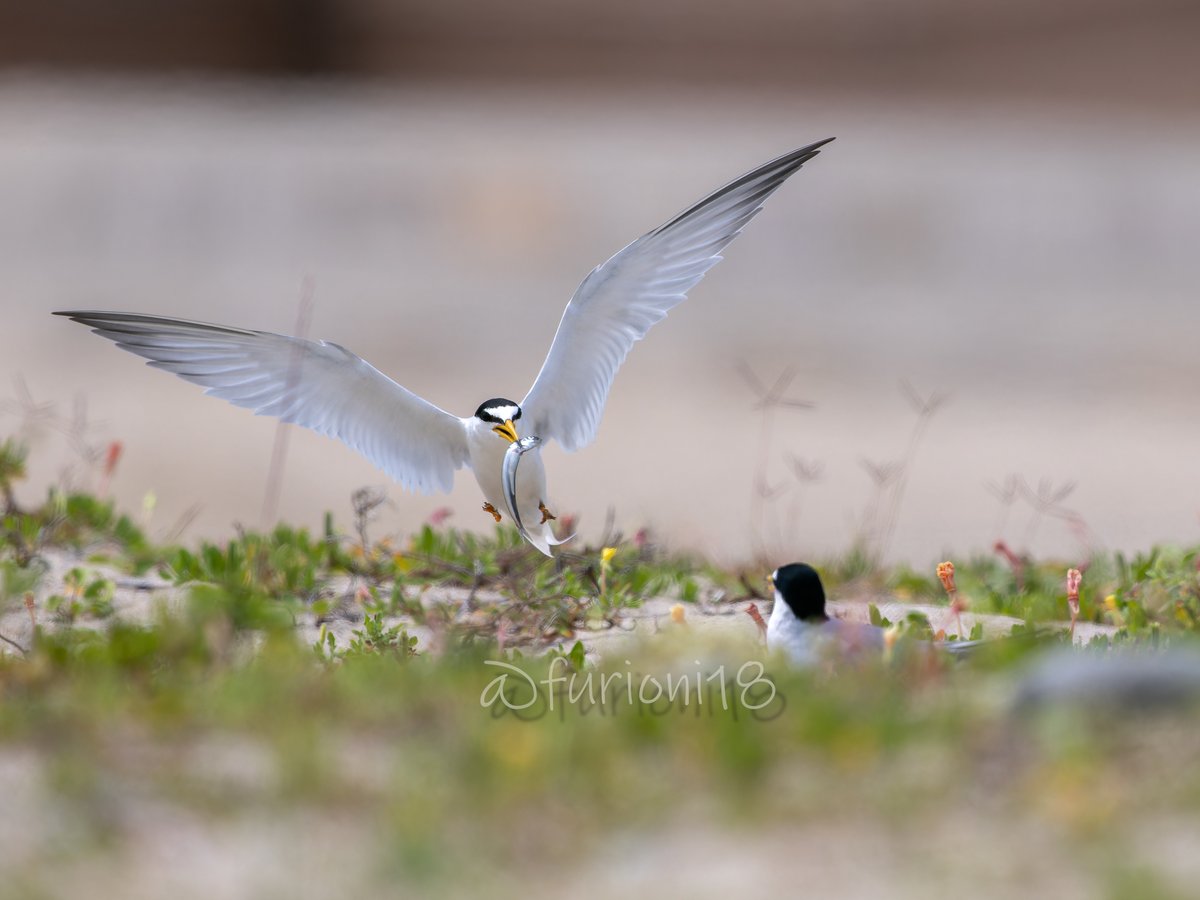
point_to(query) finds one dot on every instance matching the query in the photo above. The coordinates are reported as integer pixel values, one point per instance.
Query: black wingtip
(807, 153)
(788, 163)
(76, 315)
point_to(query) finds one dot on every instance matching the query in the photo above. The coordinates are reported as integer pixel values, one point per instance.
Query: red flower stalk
(945, 574)
(1014, 562)
(753, 613)
(112, 456)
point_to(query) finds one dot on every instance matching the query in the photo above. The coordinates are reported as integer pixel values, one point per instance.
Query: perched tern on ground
(325, 387)
(801, 630)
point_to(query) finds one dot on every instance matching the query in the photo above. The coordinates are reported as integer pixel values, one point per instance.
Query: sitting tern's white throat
(327, 388)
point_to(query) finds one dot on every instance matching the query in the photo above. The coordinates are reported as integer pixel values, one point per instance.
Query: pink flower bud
(945, 574)
(1074, 577)
(112, 457)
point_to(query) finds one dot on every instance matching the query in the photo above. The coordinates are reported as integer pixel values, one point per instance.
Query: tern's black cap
(496, 403)
(800, 587)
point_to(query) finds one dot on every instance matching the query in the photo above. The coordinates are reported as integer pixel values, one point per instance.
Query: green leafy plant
(84, 595)
(13, 457)
(374, 637)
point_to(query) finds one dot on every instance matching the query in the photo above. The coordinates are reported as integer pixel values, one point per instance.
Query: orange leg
(487, 507)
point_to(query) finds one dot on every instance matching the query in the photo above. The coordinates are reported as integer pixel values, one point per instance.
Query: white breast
(806, 644)
(486, 449)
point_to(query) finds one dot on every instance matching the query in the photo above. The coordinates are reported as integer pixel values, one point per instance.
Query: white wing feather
(319, 385)
(622, 298)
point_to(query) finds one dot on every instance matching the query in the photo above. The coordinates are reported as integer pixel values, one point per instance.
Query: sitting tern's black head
(799, 586)
(502, 413)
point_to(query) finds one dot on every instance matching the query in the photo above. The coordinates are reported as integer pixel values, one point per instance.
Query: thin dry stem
(279, 449)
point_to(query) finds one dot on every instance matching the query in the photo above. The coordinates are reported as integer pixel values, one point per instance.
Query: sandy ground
(1036, 263)
(712, 620)
(186, 854)
(170, 846)
(169, 850)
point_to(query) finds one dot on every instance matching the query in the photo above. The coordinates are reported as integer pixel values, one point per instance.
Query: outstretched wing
(620, 299)
(315, 384)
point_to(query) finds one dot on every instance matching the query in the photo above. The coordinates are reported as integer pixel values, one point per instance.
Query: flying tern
(325, 387)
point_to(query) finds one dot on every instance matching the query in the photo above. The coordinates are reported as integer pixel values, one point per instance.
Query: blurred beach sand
(1035, 263)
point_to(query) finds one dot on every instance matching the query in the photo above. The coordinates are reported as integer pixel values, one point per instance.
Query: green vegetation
(210, 703)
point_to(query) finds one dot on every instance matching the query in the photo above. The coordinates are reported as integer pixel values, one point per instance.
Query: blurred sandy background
(1010, 215)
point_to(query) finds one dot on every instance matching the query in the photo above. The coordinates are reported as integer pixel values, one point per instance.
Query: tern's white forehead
(503, 413)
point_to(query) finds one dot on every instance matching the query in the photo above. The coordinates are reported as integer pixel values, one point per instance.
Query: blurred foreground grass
(202, 747)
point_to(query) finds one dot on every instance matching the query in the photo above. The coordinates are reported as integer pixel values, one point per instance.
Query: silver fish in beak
(508, 478)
